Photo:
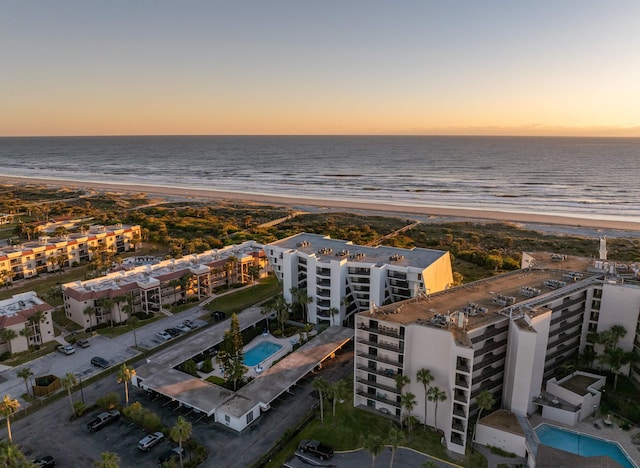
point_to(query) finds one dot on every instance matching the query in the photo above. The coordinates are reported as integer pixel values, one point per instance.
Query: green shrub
(109, 401)
(207, 365)
(79, 408)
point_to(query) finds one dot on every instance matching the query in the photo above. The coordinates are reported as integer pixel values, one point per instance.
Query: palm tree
(174, 283)
(133, 322)
(425, 377)
(408, 402)
(373, 444)
(125, 374)
(181, 432)
(436, 395)
(338, 390)
(90, 310)
(68, 382)
(5, 278)
(108, 460)
(332, 312)
(106, 304)
(7, 408)
(395, 438)
(322, 386)
(484, 401)
(401, 381)
(24, 374)
(11, 456)
(7, 334)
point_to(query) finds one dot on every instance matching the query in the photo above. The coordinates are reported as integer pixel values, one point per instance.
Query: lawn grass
(237, 301)
(350, 425)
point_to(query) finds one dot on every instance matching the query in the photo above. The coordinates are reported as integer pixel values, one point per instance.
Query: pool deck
(611, 433)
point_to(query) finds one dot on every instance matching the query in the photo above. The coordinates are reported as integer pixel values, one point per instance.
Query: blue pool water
(260, 352)
(581, 444)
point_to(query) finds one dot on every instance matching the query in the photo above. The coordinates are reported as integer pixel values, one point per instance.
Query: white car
(149, 441)
(66, 349)
(163, 335)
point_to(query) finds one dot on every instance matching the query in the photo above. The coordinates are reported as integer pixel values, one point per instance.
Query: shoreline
(327, 204)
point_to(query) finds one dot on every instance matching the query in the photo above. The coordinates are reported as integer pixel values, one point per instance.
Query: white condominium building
(149, 287)
(342, 278)
(507, 335)
(47, 254)
(25, 320)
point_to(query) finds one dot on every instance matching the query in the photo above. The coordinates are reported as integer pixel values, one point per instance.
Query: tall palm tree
(68, 382)
(373, 444)
(425, 377)
(401, 381)
(332, 313)
(108, 460)
(24, 374)
(485, 402)
(395, 438)
(106, 304)
(11, 456)
(436, 395)
(322, 386)
(133, 322)
(180, 433)
(174, 283)
(408, 402)
(7, 408)
(338, 390)
(125, 374)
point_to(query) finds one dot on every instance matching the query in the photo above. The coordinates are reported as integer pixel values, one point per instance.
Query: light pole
(594, 410)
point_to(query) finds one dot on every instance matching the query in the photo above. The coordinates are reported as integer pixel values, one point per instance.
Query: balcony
(487, 373)
(569, 303)
(460, 397)
(384, 372)
(489, 333)
(459, 411)
(566, 326)
(566, 316)
(462, 382)
(564, 338)
(359, 271)
(378, 385)
(463, 367)
(457, 427)
(487, 384)
(324, 283)
(490, 346)
(384, 359)
(326, 272)
(381, 397)
(382, 330)
(382, 344)
(323, 292)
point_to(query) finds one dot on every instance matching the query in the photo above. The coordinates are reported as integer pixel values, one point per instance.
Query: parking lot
(50, 432)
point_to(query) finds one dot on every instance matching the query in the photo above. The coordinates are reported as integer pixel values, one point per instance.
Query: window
(249, 417)
(227, 418)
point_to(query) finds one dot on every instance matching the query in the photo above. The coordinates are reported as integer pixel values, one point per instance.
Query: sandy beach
(333, 205)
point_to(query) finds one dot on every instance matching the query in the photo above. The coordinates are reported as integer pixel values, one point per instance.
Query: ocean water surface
(580, 177)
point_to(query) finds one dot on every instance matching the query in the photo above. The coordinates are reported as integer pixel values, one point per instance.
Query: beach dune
(330, 204)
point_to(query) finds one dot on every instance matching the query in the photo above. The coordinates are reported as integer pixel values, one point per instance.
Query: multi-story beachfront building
(147, 288)
(507, 335)
(342, 278)
(48, 254)
(25, 320)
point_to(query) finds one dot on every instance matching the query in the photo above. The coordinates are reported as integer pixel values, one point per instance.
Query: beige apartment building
(47, 254)
(148, 288)
(25, 320)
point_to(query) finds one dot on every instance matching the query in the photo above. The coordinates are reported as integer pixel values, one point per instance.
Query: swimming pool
(581, 444)
(260, 352)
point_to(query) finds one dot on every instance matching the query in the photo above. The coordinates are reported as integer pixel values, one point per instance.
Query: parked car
(163, 335)
(103, 419)
(45, 462)
(83, 343)
(149, 441)
(172, 454)
(183, 328)
(315, 448)
(173, 332)
(190, 323)
(100, 362)
(66, 349)
(218, 315)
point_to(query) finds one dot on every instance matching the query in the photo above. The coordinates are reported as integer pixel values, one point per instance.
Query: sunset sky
(138, 67)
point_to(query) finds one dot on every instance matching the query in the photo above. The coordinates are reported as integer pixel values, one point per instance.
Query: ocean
(577, 177)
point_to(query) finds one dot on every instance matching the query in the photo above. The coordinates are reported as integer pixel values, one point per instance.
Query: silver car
(150, 440)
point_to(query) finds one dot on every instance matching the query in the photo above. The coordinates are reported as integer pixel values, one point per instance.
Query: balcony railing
(381, 330)
(384, 359)
(566, 316)
(489, 347)
(566, 326)
(564, 338)
(384, 372)
(489, 333)
(379, 385)
(382, 344)
(377, 397)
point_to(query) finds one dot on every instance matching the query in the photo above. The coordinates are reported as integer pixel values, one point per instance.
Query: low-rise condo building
(25, 320)
(342, 278)
(148, 288)
(47, 254)
(507, 335)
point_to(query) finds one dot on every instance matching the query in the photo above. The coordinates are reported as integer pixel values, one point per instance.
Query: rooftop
(490, 300)
(326, 249)
(19, 302)
(503, 420)
(579, 383)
